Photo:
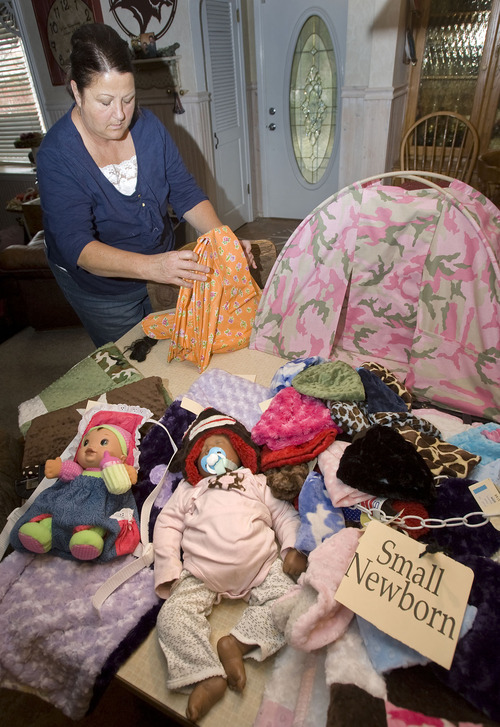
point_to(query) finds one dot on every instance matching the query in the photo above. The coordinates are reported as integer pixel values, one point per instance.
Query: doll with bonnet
(89, 513)
(224, 520)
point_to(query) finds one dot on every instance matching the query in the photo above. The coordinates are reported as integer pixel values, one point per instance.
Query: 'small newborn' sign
(418, 598)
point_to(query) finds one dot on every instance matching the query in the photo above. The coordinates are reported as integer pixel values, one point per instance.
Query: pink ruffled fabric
(292, 419)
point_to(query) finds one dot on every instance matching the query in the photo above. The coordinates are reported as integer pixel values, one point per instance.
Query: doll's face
(94, 444)
(222, 442)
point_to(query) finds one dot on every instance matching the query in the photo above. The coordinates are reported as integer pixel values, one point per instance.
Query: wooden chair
(442, 142)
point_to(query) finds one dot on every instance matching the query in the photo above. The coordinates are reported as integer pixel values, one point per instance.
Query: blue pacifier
(216, 462)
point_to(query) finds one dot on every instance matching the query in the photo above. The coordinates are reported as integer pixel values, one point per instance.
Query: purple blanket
(52, 639)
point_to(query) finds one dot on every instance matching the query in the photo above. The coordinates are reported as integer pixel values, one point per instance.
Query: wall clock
(57, 20)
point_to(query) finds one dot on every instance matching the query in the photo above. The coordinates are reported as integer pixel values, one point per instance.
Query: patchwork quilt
(103, 370)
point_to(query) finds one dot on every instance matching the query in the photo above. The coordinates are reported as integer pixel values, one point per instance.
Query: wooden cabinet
(457, 45)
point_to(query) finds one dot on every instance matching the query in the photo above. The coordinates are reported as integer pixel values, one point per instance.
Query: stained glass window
(313, 99)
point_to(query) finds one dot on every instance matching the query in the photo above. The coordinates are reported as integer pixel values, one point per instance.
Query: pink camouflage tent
(406, 277)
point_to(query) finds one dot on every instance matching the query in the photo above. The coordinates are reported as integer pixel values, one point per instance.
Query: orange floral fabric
(215, 316)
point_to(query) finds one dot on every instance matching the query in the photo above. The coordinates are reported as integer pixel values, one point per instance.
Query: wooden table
(145, 671)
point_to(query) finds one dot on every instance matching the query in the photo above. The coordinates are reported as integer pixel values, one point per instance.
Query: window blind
(19, 108)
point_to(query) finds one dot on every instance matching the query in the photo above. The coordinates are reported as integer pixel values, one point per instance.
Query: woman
(107, 172)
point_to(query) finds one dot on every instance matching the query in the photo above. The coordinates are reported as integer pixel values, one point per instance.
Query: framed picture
(57, 20)
(148, 45)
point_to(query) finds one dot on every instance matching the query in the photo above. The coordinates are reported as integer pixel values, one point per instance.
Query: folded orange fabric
(214, 316)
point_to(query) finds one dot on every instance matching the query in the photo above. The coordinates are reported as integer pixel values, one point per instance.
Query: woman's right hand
(178, 267)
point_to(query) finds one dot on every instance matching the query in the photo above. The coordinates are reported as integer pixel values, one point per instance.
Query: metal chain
(429, 522)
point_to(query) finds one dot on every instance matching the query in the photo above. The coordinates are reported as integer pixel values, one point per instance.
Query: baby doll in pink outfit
(225, 521)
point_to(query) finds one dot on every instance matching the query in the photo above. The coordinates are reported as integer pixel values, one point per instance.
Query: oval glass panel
(313, 99)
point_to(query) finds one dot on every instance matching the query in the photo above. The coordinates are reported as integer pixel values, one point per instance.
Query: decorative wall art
(139, 17)
(57, 20)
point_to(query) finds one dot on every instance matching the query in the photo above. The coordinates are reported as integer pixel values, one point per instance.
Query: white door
(301, 51)
(225, 81)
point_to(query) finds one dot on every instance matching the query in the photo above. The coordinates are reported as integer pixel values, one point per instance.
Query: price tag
(487, 496)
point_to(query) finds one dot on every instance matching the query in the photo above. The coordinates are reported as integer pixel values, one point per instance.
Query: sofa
(31, 296)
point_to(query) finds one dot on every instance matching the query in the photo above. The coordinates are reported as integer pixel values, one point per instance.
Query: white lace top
(123, 176)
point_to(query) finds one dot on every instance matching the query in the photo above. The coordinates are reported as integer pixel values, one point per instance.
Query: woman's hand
(179, 267)
(204, 218)
(247, 249)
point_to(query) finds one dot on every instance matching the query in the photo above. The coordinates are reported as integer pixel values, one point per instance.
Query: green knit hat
(335, 380)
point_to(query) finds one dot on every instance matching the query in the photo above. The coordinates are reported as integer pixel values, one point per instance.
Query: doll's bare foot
(231, 652)
(204, 696)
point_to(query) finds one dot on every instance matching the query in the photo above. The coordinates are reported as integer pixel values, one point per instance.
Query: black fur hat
(382, 463)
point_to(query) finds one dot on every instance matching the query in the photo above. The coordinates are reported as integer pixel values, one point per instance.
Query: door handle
(272, 127)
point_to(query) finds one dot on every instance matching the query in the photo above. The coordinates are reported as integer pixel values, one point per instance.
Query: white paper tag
(487, 496)
(265, 404)
(418, 598)
(191, 405)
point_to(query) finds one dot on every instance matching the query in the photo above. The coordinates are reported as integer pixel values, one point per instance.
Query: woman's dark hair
(96, 48)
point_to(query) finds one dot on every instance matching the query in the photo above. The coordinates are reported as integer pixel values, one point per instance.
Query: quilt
(103, 370)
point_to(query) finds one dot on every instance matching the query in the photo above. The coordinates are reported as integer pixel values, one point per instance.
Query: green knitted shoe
(36, 536)
(87, 544)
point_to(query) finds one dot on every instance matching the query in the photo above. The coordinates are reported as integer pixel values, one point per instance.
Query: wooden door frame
(420, 22)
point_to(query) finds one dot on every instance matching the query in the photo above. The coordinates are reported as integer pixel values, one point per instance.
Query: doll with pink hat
(89, 513)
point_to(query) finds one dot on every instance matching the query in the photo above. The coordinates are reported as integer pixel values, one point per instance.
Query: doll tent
(409, 277)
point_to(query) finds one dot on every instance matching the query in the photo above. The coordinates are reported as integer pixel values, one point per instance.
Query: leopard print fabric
(443, 459)
(350, 416)
(399, 419)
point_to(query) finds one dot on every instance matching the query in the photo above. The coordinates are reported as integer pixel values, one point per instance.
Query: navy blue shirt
(80, 204)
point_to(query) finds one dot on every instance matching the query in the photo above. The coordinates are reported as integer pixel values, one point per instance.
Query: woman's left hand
(247, 249)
